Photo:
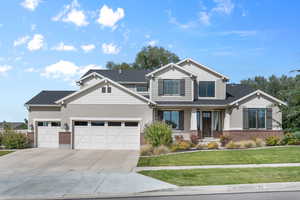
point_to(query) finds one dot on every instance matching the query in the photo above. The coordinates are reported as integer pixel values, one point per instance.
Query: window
(55, 124)
(97, 123)
(141, 88)
(206, 89)
(108, 89)
(80, 123)
(171, 87)
(257, 118)
(42, 123)
(217, 121)
(173, 119)
(114, 123)
(131, 123)
(103, 89)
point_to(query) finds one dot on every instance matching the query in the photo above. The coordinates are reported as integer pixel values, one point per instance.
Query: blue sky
(47, 44)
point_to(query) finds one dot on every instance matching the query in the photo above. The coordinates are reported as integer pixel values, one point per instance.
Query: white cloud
(241, 33)
(31, 69)
(173, 20)
(87, 48)
(152, 43)
(72, 14)
(223, 7)
(4, 69)
(36, 43)
(63, 47)
(30, 4)
(107, 17)
(204, 18)
(21, 40)
(147, 36)
(66, 70)
(33, 27)
(110, 48)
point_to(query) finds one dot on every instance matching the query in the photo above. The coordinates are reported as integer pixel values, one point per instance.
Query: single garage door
(48, 134)
(106, 135)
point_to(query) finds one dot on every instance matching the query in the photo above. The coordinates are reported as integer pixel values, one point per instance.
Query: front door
(206, 123)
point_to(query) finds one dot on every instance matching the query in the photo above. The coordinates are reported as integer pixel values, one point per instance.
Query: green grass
(254, 156)
(2, 153)
(198, 177)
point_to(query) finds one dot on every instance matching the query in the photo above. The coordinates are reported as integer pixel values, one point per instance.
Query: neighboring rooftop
(48, 97)
(14, 125)
(129, 75)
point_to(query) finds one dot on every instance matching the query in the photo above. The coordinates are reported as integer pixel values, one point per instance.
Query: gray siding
(43, 113)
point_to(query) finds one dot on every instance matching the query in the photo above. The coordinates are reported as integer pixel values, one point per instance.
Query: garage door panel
(107, 137)
(48, 137)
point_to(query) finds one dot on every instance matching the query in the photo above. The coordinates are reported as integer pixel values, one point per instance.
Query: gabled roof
(128, 75)
(60, 101)
(203, 67)
(171, 65)
(48, 97)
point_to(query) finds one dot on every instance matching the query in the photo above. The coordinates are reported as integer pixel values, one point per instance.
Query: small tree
(158, 133)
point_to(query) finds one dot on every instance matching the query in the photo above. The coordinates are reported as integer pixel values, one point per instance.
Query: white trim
(105, 80)
(89, 75)
(42, 105)
(203, 66)
(258, 92)
(171, 65)
(104, 119)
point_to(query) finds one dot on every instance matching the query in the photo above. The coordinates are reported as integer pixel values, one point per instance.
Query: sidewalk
(137, 169)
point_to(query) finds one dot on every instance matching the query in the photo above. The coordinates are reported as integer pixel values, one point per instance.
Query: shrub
(161, 150)
(178, 138)
(272, 141)
(202, 146)
(194, 139)
(13, 140)
(1, 139)
(246, 144)
(146, 150)
(232, 145)
(297, 135)
(158, 133)
(213, 145)
(259, 142)
(288, 138)
(224, 140)
(182, 145)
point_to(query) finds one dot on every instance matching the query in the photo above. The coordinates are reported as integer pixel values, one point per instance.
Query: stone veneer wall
(238, 135)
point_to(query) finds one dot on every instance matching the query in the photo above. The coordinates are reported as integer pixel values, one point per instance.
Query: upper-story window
(141, 88)
(206, 89)
(171, 87)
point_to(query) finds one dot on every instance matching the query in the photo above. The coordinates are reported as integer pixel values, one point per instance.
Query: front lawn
(198, 177)
(2, 153)
(226, 157)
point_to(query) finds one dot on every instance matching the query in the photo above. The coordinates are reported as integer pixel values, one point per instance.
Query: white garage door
(48, 134)
(106, 135)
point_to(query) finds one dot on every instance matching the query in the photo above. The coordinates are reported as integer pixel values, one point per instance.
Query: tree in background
(285, 88)
(148, 58)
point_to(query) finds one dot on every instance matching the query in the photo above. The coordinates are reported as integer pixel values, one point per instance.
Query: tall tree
(148, 58)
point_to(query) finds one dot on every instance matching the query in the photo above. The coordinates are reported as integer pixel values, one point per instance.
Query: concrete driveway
(55, 173)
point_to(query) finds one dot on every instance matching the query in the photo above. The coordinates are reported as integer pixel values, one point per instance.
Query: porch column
(227, 120)
(193, 126)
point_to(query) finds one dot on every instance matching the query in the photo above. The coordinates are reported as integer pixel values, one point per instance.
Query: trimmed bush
(272, 141)
(181, 146)
(202, 147)
(158, 133)
(259, 142)
(13, 140)
(213, 145)
(146, 150)
(224, 140)
(246, 144)
(232, 145)
(161, 150)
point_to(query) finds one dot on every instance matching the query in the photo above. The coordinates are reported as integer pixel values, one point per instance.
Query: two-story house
(112, 107)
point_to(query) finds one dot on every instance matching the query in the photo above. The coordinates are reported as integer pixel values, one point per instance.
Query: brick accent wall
(217, 134)
(64, 137)
(30, 136)
(238, 135)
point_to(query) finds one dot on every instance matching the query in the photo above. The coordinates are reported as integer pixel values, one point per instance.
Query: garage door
(48, 134)
(106, 135)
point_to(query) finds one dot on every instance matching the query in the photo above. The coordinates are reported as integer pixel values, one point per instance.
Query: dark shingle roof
(233, 92)
(130, 75)
(48, 97)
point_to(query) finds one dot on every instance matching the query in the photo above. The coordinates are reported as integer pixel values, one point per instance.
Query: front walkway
(137, 169)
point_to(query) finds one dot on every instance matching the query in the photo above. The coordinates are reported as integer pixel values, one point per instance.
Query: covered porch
(205, 122)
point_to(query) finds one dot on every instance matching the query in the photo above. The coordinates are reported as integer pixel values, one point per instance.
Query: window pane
(202, 89)
(80, 123)
(141, 88)
(171, 87)
(42, 123)
(131, 123)
(56, 124)
(114, 123)
(252, 118)
(261, 118)
(217, 120)
(97, 123)
(206, 88)
(171, 118)
(210, 89)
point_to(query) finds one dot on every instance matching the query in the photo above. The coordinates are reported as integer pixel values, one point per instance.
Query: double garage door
(93, 134)
(106, 135)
